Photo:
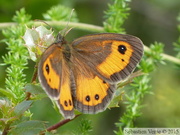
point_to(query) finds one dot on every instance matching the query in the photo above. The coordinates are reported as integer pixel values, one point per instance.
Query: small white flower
(37, 40)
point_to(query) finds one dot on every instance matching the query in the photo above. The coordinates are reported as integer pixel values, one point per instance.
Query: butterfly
(83, 75)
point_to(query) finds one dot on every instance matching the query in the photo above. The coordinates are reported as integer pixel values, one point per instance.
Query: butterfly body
(83, 75)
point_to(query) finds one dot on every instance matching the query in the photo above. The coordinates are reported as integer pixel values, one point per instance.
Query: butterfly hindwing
(92, 93)
(65, 102)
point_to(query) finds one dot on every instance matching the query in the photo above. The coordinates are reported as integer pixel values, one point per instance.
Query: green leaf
(22, 107)
(117, 98)
(7, 93)
(36, 91)
(21, 17)
(28, 128)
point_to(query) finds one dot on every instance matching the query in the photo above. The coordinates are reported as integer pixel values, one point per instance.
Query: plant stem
(34, 74)
(87, 27)
(6, 129)
(7, 24)
(59, 124)
(81, 26)
(166, 56)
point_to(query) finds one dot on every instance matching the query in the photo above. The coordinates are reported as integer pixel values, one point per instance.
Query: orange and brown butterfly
(83, 74)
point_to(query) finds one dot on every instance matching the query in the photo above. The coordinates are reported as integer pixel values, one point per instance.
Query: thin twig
(28, 94)
(34, 74)
(6, 129)
(59, 124)
(130, 78)
(166, 56)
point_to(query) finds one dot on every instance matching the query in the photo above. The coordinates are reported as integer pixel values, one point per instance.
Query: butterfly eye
(122, 49)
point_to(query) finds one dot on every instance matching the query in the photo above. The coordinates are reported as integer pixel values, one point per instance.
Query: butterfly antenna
(66, 30)
(45, 23)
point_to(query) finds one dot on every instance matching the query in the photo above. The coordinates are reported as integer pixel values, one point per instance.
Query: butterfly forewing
(49, 71)
(54, 75)
(111, 56)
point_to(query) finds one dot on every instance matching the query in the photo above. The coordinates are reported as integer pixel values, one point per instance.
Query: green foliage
(60, 13)
(18, 94)
(177, 47)
(31, 127)
(84, 128)
(17, 58)
(115, 16)
(21, 17)
(177, 44)
(11, 114)
(36, 91)
(155, 53)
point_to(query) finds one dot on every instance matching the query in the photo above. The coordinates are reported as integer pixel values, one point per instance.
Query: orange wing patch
(52, 78)
(91, 91)
(65, 102)
(65, 98)
(92, 94)
(117, 60)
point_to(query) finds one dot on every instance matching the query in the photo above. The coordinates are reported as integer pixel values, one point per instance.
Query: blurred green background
(150, 20)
